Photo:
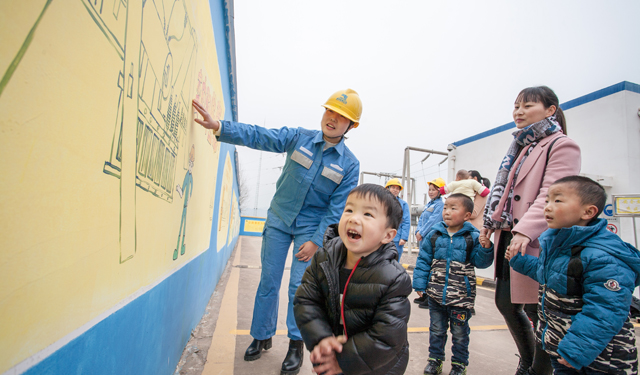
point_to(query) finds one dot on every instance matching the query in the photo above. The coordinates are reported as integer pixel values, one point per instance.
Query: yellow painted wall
(256, 226)
(97, 138)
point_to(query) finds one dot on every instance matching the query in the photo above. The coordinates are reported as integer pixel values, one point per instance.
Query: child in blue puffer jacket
(587, 276)
(445, 273)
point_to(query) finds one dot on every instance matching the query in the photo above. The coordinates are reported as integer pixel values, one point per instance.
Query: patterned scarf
(530, 135)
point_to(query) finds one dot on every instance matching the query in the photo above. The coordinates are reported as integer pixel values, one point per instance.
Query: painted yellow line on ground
(417, 329)
(221, 353)
(473, 328)
(244, 332)
(488, 328)
(282, 332)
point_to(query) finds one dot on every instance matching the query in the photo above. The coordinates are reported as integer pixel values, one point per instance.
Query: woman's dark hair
(475, 175)
(546, 96)
(483, 180)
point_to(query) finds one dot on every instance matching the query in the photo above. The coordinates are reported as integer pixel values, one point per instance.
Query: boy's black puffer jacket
(376, 307)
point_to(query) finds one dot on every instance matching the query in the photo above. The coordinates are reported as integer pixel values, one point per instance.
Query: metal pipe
(635, 232)
(410, 183)
(410, 190)
(426, 150)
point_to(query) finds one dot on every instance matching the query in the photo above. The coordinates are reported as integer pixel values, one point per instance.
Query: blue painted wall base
(148, 335)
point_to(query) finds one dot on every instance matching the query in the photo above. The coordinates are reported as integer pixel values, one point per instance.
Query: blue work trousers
(276, 241)
(399, 248)
(443, 317)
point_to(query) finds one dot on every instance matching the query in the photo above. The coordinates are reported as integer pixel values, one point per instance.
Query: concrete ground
(218, 343)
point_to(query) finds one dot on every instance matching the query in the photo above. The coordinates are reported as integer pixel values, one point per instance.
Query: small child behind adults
(466, 185)
(445, 272)
(587, 276)
(352, 307)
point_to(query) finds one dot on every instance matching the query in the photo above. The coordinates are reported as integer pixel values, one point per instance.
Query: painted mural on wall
(109, 183)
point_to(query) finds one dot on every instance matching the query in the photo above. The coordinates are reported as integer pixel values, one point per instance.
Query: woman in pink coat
(540, 154)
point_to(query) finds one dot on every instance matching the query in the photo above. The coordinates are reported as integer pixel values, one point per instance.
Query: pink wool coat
(530, 191)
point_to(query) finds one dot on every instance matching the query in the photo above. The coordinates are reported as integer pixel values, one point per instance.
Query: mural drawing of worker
(185, 192)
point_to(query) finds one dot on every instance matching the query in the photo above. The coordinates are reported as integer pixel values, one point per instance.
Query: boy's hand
(484, 241)
(507, 254)
(419, 293)
(563, 361)
(328, 367)
(306, 251)
(519, 243)
(207, 121)
(323, 356)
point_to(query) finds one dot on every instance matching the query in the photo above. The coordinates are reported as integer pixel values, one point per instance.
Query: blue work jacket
(313, 187)
(431, 215)
(405, 224)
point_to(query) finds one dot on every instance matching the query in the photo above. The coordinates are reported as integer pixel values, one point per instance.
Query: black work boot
(293, 361)
(254, 351)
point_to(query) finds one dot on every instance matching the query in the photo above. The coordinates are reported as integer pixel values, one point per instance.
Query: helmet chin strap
(349, 128)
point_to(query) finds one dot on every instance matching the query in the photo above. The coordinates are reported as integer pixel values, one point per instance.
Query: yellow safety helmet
(438, 182)
(393, 181)
(347, 103)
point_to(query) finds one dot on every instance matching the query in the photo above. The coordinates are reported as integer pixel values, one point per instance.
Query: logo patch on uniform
(612, 285)
(342, 98)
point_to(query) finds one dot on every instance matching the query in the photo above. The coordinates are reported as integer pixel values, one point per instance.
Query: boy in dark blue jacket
(445, 272)
(587, 276)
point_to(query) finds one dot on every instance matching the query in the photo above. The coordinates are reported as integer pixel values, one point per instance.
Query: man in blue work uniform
(395, 187)
(311, 192)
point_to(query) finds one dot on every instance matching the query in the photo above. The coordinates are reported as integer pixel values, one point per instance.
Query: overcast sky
(428, 73)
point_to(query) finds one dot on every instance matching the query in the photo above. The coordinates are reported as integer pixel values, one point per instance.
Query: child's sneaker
(424, 304)
(458, 369)
(434, 367)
